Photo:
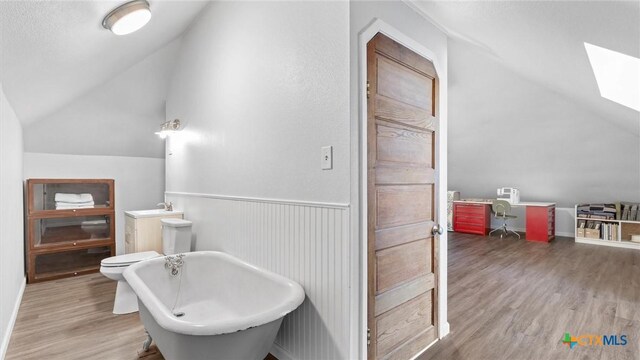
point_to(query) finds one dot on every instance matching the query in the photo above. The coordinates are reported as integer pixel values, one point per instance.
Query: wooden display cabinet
(68, 242)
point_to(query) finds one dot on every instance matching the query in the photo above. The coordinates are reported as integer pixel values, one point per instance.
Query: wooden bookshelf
(626, 228)
(69, 242)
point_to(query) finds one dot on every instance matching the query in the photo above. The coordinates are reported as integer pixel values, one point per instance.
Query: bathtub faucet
(173, 263)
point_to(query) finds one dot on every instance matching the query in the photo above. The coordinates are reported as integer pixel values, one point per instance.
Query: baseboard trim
(445, 333)
(255, 199)
(280, 353)
(558, 233)
(446, 329)
(425, 349)
(16, 307)
(565, 234)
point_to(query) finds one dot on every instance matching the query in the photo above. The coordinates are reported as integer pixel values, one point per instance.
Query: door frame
(379, 26)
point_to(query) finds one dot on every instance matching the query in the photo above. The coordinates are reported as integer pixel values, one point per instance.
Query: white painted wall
(412, 29)
(117, 118)
(12, 278)
(262, 86)
(508, 131)
(109, 133)
(139, 182)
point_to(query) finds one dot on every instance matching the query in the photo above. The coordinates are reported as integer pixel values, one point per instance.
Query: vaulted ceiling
(53, 52)
(543, 41)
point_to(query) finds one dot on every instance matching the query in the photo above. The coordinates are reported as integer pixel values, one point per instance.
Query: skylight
(617, 74)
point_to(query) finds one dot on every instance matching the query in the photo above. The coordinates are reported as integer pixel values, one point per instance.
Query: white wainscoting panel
(306, 242)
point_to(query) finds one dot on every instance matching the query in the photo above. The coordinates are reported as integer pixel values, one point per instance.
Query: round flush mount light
(128, 17)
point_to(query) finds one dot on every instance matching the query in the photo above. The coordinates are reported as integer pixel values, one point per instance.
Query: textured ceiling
(543, 41)
(52, 52)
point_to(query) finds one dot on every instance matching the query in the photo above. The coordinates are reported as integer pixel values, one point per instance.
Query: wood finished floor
(513, 299)
(508, 299)
(71, 319)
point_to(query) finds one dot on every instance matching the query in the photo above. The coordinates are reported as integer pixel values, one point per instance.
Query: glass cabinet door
(69, 196)
(69, 262)
(73, 230)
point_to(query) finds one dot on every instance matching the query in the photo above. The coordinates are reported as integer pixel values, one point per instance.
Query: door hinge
(368, 89)
(368, 336)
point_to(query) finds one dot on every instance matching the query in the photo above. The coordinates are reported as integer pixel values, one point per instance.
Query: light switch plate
(327, 158)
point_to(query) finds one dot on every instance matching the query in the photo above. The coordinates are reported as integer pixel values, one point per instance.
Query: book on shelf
(598, 211)
(610, 232)
(602, 231)
(602, 216)
(625, 212)
(630, 211)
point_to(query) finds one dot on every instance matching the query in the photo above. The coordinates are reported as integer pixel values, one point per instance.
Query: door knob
(436, 230)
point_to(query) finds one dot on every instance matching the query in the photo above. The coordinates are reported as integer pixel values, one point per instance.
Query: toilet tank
(176, 236)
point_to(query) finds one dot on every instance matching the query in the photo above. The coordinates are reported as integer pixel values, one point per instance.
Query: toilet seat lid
(128, 259)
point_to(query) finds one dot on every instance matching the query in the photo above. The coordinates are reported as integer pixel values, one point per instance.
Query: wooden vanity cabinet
(144, 233)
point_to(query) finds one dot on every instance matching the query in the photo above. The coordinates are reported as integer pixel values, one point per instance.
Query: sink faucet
(168, 206)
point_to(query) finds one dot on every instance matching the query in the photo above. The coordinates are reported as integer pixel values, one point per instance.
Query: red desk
(474, 217)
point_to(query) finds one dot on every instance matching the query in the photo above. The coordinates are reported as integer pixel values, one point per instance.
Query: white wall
(109, 133)
(139, 182)
(508, 131)
(12, 278)
(262, 87)
(117, 118)
(415, 27)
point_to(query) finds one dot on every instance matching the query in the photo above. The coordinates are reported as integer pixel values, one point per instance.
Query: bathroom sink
(150, 213)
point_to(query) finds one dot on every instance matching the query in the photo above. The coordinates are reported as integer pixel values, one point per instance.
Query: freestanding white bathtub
(231, 309)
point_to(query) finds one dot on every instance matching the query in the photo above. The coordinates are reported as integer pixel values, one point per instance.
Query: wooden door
(402, 93)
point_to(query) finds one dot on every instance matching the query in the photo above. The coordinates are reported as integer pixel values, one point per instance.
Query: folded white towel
(67, 206)
(89, 223)
(73, 198)
(94, 227)
(74, 207)
(64, 203)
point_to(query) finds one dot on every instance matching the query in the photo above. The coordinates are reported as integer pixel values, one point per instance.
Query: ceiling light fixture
(168, 127)
(128, 17)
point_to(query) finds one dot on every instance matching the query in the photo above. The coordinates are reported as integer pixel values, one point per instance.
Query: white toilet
(176, 239)
(176, 236)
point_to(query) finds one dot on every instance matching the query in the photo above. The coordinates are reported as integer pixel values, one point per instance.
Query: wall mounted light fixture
(168, 127)
(128, 17)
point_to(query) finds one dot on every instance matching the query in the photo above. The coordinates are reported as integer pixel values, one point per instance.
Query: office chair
(501, 210)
